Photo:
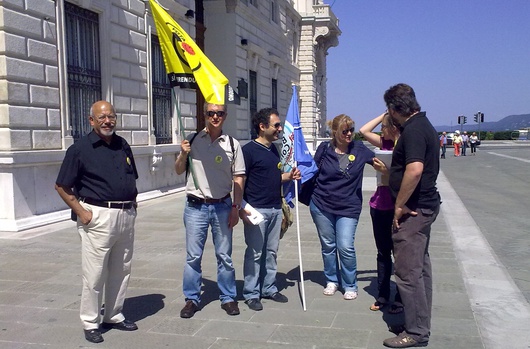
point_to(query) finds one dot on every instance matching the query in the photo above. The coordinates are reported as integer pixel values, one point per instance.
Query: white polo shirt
(214, 165)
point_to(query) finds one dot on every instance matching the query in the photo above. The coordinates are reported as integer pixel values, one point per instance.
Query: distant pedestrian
(337, 202)
(219, 166)
(101, 170)
(473, 140)
(465, 143)
(413, 175)
(443, 144)
(457, 142)
(263, 183)
(382, 209)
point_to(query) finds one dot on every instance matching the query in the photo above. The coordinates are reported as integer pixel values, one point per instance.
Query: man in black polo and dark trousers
(413, 174)
(97, 180)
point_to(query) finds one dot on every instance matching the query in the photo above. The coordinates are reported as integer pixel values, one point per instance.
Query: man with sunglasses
(263, 192)
(97, 180)
(216, 166)
(413, 174)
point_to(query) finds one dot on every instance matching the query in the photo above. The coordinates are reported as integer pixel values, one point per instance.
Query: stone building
(59, 56)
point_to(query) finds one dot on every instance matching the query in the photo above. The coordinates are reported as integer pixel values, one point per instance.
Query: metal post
(479, 122)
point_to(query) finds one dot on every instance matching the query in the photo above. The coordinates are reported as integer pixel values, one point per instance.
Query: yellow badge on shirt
(280, 165)
(351, 157)
(218, 159)
(128, 161)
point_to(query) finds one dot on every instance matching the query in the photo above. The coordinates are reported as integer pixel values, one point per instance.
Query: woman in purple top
(382, 211)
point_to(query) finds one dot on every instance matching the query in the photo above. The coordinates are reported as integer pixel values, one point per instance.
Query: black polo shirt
(263, 176)
(418, 143)
(100, 171)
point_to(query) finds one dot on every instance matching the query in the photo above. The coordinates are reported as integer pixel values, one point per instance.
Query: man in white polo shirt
(218, 166)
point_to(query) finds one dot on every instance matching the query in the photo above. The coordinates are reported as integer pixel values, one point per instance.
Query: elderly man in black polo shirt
(413, 174)
(97, 180)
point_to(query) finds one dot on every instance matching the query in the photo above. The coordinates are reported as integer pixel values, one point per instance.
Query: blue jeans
(260, 264)
(337, 235)
(197, 219)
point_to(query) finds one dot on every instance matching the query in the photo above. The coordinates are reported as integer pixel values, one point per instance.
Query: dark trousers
(443, 151)
(413, 270)
(473, 148)
(464, 147)
(382, 226)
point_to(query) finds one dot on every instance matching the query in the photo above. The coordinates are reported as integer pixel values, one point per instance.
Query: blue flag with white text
(294, 148)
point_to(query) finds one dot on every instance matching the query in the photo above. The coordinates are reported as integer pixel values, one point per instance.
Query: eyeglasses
(345, 132)
(211, 113)
(277, 125)
(102, 118)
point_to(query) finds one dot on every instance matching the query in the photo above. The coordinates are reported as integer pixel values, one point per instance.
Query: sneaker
(350, 295)
(254, 304)
(403, 341)
(277, 297)
(330, 289)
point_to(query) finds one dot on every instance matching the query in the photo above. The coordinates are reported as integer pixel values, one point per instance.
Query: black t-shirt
(418, 143)
(100, 171)
(264, 176)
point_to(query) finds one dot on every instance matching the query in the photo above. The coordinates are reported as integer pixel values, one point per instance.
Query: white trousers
(106, 254)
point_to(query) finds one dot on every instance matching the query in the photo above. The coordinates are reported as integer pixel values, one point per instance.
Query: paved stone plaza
(40, 288)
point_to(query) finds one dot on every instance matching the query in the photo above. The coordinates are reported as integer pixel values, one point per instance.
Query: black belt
(122, 205)
(196, 200)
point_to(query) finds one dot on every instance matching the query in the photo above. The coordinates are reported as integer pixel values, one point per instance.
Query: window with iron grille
(161, 95)
(252, 98)
(83, 66)
(274, 93)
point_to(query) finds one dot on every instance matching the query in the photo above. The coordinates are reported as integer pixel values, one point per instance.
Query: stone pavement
(40, 287)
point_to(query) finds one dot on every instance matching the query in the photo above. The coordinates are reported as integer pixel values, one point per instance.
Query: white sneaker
(350, 295)
(330, 289)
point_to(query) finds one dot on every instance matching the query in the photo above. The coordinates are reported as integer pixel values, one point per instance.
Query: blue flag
(294, 148)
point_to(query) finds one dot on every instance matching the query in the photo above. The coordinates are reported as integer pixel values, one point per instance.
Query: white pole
(299, 242)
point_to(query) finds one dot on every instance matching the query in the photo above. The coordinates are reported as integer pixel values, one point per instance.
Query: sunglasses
(345, 132)
(211, 113)
(277, 125)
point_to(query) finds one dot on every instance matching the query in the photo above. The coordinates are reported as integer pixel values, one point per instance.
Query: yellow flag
(187, 66)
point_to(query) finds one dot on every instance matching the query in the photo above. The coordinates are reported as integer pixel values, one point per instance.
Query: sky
(459, 56)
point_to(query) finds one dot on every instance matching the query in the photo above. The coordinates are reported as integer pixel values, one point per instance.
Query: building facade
(59, 56)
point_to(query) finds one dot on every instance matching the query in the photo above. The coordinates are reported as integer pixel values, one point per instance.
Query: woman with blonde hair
(336, 204)
(382, 209)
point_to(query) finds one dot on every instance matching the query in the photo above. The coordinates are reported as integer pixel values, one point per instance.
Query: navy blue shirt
(418, 143)
(264, 176)
(339, 191)
(98, 170)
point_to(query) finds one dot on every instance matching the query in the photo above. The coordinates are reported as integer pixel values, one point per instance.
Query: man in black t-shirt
(413, 174)
(263, 192)
(97, 180)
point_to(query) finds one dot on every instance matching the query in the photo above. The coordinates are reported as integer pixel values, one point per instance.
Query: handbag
(308, 187)
(306, 190)
(287, 217)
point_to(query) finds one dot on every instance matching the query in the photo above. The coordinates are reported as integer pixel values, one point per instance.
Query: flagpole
(183, 135)
(299, 243)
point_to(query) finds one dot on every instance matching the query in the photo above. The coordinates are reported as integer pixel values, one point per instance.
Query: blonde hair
(337, 123)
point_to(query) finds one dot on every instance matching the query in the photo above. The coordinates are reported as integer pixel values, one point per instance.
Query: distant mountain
(509, 123)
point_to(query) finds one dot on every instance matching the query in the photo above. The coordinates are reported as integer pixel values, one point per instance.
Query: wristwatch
(238, 207)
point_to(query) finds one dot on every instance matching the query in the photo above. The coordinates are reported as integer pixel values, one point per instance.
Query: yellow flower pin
(351, 157)
(280, 165)
(218, 159)
(128, 161)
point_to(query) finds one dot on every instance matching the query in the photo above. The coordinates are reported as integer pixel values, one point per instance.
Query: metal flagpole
(299, 242)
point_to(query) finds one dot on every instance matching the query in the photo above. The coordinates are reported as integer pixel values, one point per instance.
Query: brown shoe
(189, 310)
(231, 308)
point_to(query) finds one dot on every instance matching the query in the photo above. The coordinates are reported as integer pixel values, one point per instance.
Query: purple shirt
(382, 198)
